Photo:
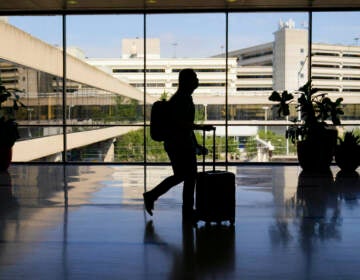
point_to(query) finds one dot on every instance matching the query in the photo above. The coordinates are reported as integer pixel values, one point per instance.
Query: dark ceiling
(58, 6)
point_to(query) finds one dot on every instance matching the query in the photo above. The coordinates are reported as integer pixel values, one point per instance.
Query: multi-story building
(253, 72)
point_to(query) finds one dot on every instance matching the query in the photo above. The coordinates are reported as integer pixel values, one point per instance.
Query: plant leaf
(15, 105)
(275, 96)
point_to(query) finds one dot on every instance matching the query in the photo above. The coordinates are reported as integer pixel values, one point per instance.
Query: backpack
(159, 119)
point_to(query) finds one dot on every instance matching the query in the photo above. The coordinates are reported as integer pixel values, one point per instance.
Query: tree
(130, 147)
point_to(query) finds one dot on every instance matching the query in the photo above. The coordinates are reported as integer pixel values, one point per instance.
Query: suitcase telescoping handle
(213, 128)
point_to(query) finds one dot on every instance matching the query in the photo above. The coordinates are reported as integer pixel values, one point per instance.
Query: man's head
(188, 80)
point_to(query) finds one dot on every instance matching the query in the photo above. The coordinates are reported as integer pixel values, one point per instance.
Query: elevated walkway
(28, 150)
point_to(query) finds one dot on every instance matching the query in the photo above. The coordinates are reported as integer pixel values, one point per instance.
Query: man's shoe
(149, 203)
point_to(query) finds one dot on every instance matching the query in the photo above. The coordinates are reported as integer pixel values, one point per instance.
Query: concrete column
(110, 152)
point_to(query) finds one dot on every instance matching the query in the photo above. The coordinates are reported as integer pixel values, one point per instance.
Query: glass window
(31, 62)
(336, 60)
(178, 41)
(266, 49)
(105, 62)
(114, 73)
(335, 37)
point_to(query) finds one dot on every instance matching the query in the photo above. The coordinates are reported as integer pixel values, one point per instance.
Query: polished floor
(88, 222)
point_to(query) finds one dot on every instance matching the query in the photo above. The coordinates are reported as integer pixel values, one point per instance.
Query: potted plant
(314, 137)
(347, 152)
(8, 126)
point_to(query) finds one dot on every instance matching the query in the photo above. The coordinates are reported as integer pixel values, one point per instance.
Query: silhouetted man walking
(181, 146)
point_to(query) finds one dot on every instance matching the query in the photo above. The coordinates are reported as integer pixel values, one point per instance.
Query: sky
(185, 35)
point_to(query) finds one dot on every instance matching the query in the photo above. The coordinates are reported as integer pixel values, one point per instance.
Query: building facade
(253, 72)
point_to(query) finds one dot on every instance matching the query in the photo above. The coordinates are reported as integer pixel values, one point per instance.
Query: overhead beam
(36, 54)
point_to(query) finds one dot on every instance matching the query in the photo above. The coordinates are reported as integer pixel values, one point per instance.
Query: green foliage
(350, 139)
(164, 96)
(356, 131)
(330, 110)
(130, 147)
(8, 126)
(284, 99)
(251, 147)
(11, 95)
(126, 109)
(200, 114)
(278, 141)
(315, 109)
(220, 149)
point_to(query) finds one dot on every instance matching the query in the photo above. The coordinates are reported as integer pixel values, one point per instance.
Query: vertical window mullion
(226, 85)
(144, 96)
(145, 112)
(64, 125)
(310, 46)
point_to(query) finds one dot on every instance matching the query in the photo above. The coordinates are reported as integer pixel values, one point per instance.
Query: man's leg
(155, 193)
(190, 167)
(188, 196)
(167, 183)
(164, 186)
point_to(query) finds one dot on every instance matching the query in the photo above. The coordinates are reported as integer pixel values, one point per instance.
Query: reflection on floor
(88, 222)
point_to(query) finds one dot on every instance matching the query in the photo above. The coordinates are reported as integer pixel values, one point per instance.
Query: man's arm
(206, 127)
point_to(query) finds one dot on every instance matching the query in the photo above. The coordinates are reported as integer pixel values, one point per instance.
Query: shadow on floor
(207, 250)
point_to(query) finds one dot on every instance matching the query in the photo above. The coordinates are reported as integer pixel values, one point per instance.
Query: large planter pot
(5, 157)
(317, 154)
(347, 158)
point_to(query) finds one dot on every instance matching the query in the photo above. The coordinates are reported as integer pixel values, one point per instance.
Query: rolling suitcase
(215, 193)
